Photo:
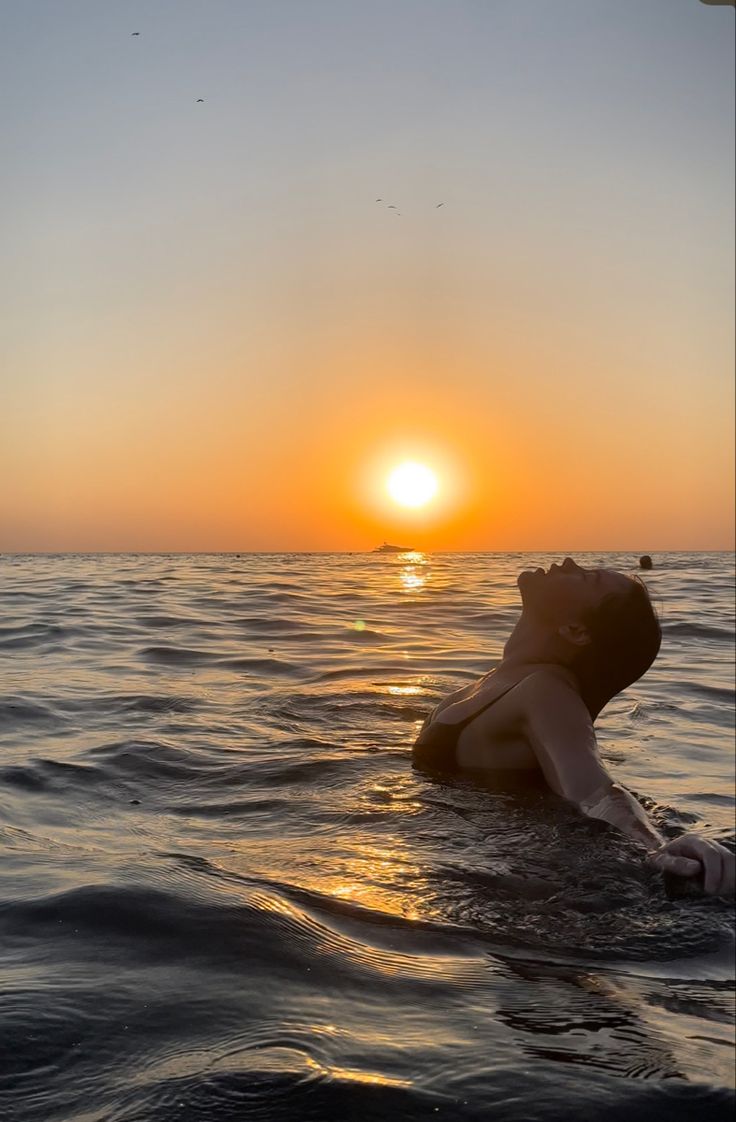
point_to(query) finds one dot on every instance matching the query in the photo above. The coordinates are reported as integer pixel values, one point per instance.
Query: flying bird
(391, 207)
(134, 33)
(198, 100)
(439, 205)
(379, 200)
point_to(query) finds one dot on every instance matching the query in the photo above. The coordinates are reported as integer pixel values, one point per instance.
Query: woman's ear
(575, 633)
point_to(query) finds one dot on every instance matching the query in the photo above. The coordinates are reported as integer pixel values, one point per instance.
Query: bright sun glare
(412, 484)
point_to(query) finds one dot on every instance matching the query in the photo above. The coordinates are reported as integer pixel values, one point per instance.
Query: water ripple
(225, 892)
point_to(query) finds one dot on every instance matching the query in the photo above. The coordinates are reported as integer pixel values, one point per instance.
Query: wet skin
(543, 723)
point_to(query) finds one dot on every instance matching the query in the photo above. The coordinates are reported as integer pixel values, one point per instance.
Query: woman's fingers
(728, 886)
(680, 866)
(720, 871)
(713, 866)
(688, 855)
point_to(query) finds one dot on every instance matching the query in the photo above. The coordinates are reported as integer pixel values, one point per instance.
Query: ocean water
(224, 893)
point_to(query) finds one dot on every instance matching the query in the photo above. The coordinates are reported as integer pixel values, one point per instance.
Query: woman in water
(583, 636)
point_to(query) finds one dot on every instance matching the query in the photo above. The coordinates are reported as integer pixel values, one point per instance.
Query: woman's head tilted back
(625, 637)
(597, 622)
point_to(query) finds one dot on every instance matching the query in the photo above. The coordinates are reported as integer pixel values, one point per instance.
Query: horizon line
(315, 552)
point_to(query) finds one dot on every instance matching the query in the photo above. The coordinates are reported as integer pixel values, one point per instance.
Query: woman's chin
(528, 575)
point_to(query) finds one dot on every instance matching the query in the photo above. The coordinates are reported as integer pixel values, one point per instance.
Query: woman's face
(566, 593)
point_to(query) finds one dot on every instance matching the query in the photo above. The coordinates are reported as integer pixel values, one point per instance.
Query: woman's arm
(559, 729)
(618, 806)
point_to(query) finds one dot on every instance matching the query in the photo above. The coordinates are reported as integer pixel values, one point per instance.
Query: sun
(411, 484)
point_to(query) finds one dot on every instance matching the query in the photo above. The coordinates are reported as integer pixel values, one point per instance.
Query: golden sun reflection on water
(411, 580)
(373, 881)
(411, 577)
(406, 691)
(350, 868)
(355, 1076)
(383, 878)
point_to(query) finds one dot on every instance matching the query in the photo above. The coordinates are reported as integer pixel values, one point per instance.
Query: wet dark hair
(625, 638)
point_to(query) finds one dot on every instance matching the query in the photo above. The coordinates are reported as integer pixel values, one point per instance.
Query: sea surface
(225, 894)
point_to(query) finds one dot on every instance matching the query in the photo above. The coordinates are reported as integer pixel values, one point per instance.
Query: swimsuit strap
(460, 725)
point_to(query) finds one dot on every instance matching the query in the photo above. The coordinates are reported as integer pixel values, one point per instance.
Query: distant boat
(386, 548)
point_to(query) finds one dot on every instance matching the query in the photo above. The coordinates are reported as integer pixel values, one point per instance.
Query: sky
(212, 337)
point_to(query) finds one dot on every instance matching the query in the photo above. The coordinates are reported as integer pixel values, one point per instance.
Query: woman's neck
(530, 643)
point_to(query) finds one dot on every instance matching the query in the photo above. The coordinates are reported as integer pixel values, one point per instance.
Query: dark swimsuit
(435, 749)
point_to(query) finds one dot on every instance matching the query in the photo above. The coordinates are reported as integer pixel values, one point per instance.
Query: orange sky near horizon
(218, 340)
(511, 477)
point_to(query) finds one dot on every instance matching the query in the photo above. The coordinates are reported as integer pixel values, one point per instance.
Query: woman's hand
(688, 855)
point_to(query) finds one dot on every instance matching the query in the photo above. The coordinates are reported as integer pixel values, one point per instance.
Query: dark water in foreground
(225, 895)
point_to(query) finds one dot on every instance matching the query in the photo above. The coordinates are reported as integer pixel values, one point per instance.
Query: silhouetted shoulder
(551, 688)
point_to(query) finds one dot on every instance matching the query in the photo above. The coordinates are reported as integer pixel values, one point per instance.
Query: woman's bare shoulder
(551, 704)
(548, 683)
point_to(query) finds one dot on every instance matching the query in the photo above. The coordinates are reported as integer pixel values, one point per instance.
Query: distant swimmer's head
(599, 623)
(645, 561)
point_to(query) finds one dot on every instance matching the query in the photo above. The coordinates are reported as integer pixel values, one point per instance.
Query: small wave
(153, 703)
(302, 771)
(699, 631)
(21, 712)
(154, 620)
(140, 584)
(109, 705)
(269, 625)
(360, 705)
(177, 656)
(233, 808)
(278, 1082)
(717, 694)
(152, 923)
(38, 635)
(357, 673)
(713, 799)
(291, 597)
(153, 759)
(367, 636)
(48, 776)
(304, 635)
(265, 666)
